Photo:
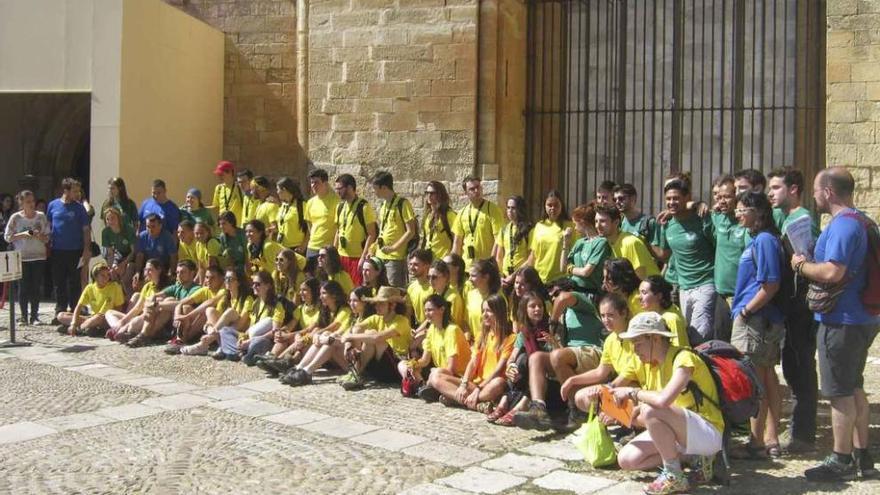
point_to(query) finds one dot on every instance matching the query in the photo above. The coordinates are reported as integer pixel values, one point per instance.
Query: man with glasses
(477, 224)
(320, 213)
(356, 233)
(633, 220)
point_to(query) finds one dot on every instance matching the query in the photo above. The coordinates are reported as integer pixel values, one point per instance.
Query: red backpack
(871, 292)
(735, 378)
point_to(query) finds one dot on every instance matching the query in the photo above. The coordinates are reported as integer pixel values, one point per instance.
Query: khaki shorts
(758, 339)
(588, 358)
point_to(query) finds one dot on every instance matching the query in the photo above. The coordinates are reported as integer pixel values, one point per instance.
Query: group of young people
(487, 309)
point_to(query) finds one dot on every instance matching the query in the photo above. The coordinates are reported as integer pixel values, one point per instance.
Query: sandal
(774, 451)
(496, 414)
(507, 419)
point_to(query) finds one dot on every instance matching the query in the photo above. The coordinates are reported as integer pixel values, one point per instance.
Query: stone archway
(59, 150)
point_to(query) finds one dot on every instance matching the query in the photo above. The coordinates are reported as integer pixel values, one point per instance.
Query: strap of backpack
(692, 386)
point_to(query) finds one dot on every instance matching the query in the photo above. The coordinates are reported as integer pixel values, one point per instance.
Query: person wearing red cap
(227, 194)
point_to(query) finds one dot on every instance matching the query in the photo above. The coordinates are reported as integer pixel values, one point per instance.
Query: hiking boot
(218, 355)
(197, 349)
(667, 483)
(702, 470)
(139, 341)
(249, 360)
(831, 470)
(173, 349)
(62, 329)
(535, 418)
(428, 394)
(864, 463)
(446, 401)
(296, 377)
(791, 444)
(351, 381)
(576, 418)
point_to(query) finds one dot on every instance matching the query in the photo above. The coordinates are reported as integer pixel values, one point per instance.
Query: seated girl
(261, 251)
(619, 277)
(233, 309)
(288, 344)
(289, 274)
(269, 314)
(330, 268)
(125, 325)
(655, 294)
(373, 275)
(99, 296)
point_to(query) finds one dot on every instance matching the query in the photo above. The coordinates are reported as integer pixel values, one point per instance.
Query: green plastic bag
(594, 442)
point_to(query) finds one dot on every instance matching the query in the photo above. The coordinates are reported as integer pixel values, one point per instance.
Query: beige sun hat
(647, 323)
(386, 294)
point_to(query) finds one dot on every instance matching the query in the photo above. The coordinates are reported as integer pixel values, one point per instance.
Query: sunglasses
(279, 260)
(228, 279)
(430, 192)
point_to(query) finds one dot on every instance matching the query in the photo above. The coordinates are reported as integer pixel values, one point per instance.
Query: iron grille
(631, 90)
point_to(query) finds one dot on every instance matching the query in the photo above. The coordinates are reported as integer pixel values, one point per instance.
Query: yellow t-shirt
(545, 242)
(260, 310)
(635, 306)
(343, 317)
(478, 226)
(203, 294)
(443, 344)
(350, 227)
(148, 290)
(393, 226)
(290, 233)
(416, 294)
(267, 212)
(675, 321)
(399, 343)
(618, 354)
(473, 304)
(514, 256)
(488, 358)
(229, 198)
(344, 280)
(435, 238)
(284, 288)
(207, 250)
(101, 299)
(321, 215)
(266, 261)
(457, 313)
(241, 306)
(249, 208)
(654, 378)
(632, 248)
(306, 315)
(188, 251)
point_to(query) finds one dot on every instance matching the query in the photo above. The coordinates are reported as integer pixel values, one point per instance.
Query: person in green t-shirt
(632, 219)
(159, 310)
(583, 261)
(691, 238)
(730, 241)
(117, 241)
(799, 350)
(194, 210)
(233, 244)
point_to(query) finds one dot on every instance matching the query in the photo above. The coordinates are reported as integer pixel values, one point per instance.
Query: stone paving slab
(177, 401)
(129, 411)
(26, 430)
(562, 450)
(446, 453)
(171, 388)
(389, 439)
(573, 482)
(144, 380)
(227, 393)
(247, 407)
(479, 480)
(523, 465)
(432, 489)
(76, 421)
(84, 367)
(266, 385)
(338, 427)
(296, 417)
(627, 488)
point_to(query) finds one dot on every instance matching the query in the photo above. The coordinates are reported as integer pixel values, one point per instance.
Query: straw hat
(647, 323)
(386, 294)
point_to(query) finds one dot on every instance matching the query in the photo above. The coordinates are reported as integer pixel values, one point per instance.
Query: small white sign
(10, 266)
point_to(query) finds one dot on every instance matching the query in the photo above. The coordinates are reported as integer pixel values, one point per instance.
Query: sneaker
(535, 418)
(793, 445)
(138, 341)
(218, 355)
(296, 377)
(22, 320)
(37, 322)
(446, 401)
(864, 463)
(175, 341)
(249, 360)
(667, 483)
(830, 469)
(110, 334)
(575, 419)
(702, 470)
(485, 407)
(62, 329)
(197, 349)
(354, 382)
(173, 349)
(428, 393)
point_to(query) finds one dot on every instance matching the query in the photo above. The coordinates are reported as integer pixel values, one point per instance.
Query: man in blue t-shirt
(847, 331)
(71, 241)
(160, 205)
(155, 242)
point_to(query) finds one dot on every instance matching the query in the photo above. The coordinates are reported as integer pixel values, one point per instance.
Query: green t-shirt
(643, 227)
(589, 252)
(233, 250)
(180, 292)
(730, 241)
(122, 243)
(582, 323)
(202, 215)
(782, 220)
(692, 241)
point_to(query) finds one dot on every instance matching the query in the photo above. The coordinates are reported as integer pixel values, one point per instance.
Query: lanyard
(347, 213)
(227, 196)
(389, 207)
(510, 247)
(472, 219)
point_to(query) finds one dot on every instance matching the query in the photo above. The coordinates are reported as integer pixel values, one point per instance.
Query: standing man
(159, 204)
(624, 244)
(71, 241)
(749, 179)
(267, 205)
(398, 225)
(250, 203)
(605, 193)
(477, 224)
(847, 330)
(320, 213)
(633, 220)
(730, 241)
(227, 195)
(356, 234)
(799, 349)
(691, 239)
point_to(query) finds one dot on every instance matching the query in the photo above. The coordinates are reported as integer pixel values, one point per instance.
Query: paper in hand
(800, 235)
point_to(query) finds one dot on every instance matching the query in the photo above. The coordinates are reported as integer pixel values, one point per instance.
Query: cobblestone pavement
(81, 415)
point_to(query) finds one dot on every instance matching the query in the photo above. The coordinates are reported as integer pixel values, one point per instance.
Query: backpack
(739, 390)
(413, 243)
(784, 299)
(358, 213)
(871, 292)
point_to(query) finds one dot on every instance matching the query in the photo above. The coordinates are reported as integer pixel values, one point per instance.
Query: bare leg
(843, 419)
(539, 365)
(860, 432)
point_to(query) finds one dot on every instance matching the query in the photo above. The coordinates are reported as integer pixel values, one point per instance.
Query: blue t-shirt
(845, 242)
(759, 263)
(68, 221)
(167, 211)
(161, 247)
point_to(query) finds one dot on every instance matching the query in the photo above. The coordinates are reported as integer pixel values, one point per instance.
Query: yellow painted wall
(171, 100)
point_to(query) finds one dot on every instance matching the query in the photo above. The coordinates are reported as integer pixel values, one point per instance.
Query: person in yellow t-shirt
(330, 268)
(191, 312)
(326, 345)
(250, 203)
(436, 229)
(261, 252)
(477, 225)
(439, 277)
(483, 381)
(233, 309)
(397, 225)
(485, 282)
(512, 242)
(289, 274)
(444, 346)
(291, 229)
(125, 325)
(187, 246)
(676, 425)
(624, 244)
(227, 195)
(208, 249)
(357, 230)
(619, 277)
(419, 287)
(545, 243)
(100, 296)
(655, 294)
(289, 343)
(267, 205)
(320, 213)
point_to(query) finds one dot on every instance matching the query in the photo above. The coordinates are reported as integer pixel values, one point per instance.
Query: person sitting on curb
(100, 296)
(160, 307)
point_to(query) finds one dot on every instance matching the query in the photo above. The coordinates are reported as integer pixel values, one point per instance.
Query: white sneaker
(198, 349)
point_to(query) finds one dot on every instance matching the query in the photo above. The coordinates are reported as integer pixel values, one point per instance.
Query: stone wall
(853, 95)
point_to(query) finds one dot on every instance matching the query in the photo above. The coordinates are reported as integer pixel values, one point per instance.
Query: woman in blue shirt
(757, 321)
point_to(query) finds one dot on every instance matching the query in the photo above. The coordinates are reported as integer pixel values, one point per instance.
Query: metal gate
(631, 90)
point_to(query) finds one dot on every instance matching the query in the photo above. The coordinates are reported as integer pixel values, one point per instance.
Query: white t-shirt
(32, 249)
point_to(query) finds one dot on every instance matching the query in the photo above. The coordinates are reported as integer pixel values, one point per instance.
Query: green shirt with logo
(730, 241)
(692, 242)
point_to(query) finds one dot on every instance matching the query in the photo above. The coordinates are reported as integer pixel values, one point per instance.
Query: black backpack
(413, 243)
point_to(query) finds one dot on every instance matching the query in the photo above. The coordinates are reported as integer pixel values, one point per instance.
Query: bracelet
(745, 313)
(799, 268)
(569, 269)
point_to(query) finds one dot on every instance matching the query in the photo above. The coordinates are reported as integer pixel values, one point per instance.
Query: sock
(843, 458)
(673, 466)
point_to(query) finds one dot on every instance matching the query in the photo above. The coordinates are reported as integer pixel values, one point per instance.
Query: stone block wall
(853, 95)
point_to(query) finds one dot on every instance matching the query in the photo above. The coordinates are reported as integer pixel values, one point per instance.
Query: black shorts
(384, 368)
(843, 352)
